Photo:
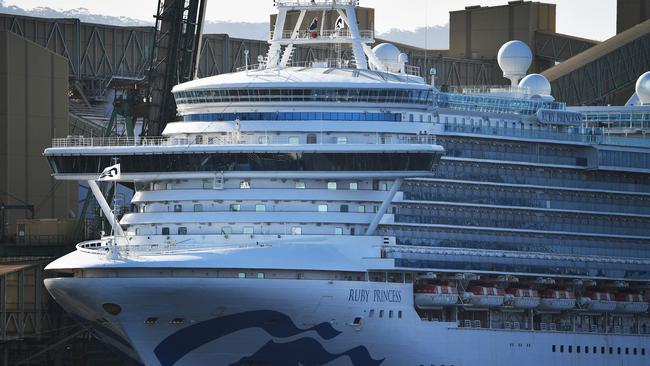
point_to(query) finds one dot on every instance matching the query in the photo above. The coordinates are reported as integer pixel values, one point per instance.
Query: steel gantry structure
(598, 74)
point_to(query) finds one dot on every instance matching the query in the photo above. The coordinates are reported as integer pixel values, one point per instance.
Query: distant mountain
(245, 30)
(437, 36)
(80, 13)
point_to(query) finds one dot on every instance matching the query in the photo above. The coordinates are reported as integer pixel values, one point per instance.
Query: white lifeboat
(523, 298)
(630, 303)
(485, 296)
(430, 296)
(598, 301)
(557, 300)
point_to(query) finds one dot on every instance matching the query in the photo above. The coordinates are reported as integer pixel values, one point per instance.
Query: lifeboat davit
(523, 298)
(598, 301)
(434, 296)
(557, 300)
(630, 303)
(485, 296)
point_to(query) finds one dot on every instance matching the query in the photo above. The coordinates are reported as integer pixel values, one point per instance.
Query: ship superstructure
(305, 214)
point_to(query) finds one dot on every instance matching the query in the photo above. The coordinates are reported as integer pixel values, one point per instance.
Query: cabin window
(381, 313)
(248, 230)
(390, 314)
(322, 208)
(341, 140)
(260, 208)
(296, 230)
(263, 140)
(294, 140)
(356, 321)
(241, 275)
(311, 138)
(354, 186)
(244, 184)
(561, 348)
(383, 186)
(178, 208)
(338, 231)
(399, 314)
(199, 139)
(260, 275)
(198, 207)
(344, 208)
(165, 231)
(553, 348)
(372, 313)
(361, 208)
(618, 350)
(331, 185)
(300, 185)
(235, 207)
(226, 230)
(182, 230)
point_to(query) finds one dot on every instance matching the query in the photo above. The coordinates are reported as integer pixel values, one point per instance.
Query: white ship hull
(237, 321)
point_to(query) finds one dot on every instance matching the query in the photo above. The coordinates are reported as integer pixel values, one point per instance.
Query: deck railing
(229, 139)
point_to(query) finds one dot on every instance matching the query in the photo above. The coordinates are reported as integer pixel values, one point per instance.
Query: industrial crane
(175, 57)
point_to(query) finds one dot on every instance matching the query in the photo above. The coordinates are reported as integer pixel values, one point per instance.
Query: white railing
(327, 34)
(333, 63)
(106, 247)
(231, 139)
(315, 2)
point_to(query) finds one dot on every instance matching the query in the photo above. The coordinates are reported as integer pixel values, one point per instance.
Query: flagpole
(115, 162)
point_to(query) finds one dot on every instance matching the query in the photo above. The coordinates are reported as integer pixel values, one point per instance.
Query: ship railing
(314, 2)
(326, 34)
(229, 139)
(107, 247)
(331, 63)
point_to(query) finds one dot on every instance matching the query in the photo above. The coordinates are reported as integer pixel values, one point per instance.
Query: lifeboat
(485, 296)
(522, 298)
(433, 296)
(598, 301)
(630, 303)
(557, 300)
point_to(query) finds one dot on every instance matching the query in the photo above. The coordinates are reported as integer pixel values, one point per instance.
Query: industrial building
(33, 110)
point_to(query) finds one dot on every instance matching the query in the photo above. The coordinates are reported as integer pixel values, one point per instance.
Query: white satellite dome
(536, 84)
(514, 58)
(643, 88)
(389, 56)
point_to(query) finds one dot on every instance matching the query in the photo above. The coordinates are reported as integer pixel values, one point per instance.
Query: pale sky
(595, 19)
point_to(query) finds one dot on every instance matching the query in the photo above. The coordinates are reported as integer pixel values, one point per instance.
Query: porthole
(111, 308)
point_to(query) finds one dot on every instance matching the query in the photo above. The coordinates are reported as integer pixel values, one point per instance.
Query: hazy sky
(595, 19)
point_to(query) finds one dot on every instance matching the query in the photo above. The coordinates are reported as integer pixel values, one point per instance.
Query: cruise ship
(347, 212)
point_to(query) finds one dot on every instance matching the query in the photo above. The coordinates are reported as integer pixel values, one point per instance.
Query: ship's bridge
(306, 86)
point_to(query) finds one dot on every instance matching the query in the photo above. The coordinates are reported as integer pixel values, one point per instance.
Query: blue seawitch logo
(304, 351)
